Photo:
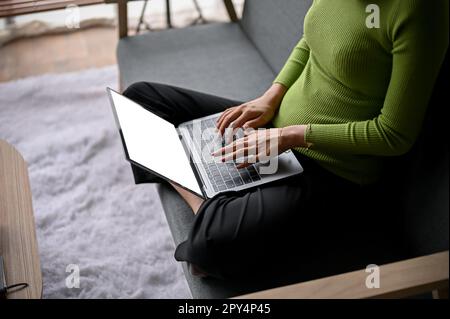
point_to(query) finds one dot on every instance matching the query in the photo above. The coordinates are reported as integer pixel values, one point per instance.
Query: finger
(243, 118)
(220, 152)
(240, 152)
(231, 147)
(221, 117)
(227, 112)
(255, 123)
(228, 119)
(243, 165)
(249, 131)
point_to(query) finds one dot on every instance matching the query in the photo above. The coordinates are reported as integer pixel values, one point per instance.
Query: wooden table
(18, 244)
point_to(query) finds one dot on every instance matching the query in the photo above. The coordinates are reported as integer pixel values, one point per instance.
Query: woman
(347, 97)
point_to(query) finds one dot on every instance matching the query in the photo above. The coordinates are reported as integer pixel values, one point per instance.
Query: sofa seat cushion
(215, 58)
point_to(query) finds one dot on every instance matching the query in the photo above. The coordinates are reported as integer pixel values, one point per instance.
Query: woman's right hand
(255, 113)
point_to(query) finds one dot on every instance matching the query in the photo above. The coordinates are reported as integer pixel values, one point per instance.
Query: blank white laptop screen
(153, 142)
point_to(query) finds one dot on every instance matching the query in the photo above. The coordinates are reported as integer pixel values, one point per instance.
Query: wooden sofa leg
(122, 14)
(440, 293)
(230, 9)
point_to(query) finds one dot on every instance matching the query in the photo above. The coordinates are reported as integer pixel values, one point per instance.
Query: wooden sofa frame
(406, 278)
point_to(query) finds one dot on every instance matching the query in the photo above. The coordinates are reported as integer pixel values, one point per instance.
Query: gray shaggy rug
(88, 211)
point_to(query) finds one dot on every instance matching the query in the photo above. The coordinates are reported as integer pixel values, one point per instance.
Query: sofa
(239, 60)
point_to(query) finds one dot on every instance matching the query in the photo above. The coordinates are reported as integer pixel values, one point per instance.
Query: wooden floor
(59, 53)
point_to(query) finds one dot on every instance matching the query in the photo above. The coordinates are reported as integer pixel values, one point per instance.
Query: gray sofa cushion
(274, 27)
(216, 58)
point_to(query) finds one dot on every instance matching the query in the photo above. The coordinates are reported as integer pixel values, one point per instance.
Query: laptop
(180, 154)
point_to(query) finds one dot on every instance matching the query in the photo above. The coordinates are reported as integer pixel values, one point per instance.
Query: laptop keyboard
(223, 176)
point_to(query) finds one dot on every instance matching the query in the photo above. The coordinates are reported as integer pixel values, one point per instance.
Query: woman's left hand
(262, 145)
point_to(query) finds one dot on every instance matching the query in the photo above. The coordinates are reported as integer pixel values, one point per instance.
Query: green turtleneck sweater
(363, 91)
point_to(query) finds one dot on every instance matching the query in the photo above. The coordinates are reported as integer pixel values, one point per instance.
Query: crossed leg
(193, 200)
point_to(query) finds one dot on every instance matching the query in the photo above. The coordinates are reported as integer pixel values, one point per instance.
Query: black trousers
(262, 229)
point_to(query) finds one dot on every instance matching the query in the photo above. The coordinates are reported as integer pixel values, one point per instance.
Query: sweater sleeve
(294, 65)
(419, 42)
